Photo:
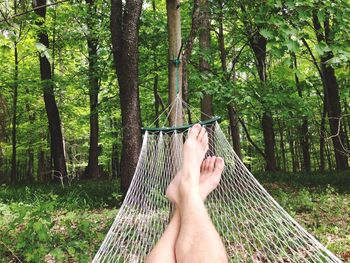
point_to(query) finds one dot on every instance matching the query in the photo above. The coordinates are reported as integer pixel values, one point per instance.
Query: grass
(40, 223)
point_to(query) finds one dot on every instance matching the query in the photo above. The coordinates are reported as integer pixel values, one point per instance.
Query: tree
(14, 110)
(331, 90)
(92, 170)
(232, 115)
(125, 29)
(204, 64)
(174, 56)
(53, 116)
(304, 128)
(258, 43)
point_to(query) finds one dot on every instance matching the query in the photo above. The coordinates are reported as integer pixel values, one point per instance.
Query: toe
(202, 133)
(212, 163)
(207, 162)
(205, 141)
(219, 165)
(194, 131)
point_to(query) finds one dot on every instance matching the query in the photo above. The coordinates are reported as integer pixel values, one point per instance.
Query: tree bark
(14, 121)
(125, 31)
(234, 122)
(304, 128)
(346, 125)
(3, 125)
(156, 77)
(233, 118)
(92, 170)
(331, 91)
(258, 45)
(204, 64)
(174, 58)
(187, 53)
(282, 145)
(56, 138)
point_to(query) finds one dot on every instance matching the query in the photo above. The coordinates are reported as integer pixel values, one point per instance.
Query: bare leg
(198, 240)
(210, 174)
(164, 250)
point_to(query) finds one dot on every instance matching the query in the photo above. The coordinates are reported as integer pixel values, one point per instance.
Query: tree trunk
(3, 125)
(282, 145)
(14, 121)
(258, 45)
(92, 170)
(234, 130)
(125, 31)
(304, 128)
(234, 122)
(346, 125)
(30, 165)
(269, 150)
(156, 77)
(56, 138)
(291, 149)
(204, 64)
(174, 58)
(332, 92)
(187, 53)
(323, 134)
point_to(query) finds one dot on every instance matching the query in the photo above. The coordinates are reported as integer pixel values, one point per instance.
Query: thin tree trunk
(92, 170)
(125, 31)
(56, 138)
(14, 120)
(329, 157)
(115, 153)
(282, 145)
(234, 130)
(346, 125)
(204, 65)
(174, 58)
(292, 152)
(332, 91)
(187, 52)
(234, 121)
(304, 128)
(156, 77)
(258, 45)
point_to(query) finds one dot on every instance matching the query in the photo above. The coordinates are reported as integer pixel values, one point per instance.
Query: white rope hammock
(252, 225)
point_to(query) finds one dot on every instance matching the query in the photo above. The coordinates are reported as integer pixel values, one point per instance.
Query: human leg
(210, 173)
(198, 240)
(164, 250)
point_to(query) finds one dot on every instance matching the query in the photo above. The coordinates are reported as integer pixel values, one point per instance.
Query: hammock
(252, 225)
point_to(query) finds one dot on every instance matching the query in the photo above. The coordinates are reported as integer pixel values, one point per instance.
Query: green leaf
(334, 60)
(322, 48)
(292, 45)
(37, 226)
(266, 33)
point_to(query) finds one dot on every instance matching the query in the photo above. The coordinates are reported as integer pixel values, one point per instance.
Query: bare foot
(188, 177)
(211, 170)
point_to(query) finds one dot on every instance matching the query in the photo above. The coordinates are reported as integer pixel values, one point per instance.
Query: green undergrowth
(48, 223)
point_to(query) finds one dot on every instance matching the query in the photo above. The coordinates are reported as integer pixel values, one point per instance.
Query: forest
(79, 78)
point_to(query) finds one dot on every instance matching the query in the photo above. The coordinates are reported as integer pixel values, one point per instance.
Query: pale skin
(191, 235)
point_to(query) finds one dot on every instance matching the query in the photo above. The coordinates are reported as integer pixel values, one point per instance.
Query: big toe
(194, 131)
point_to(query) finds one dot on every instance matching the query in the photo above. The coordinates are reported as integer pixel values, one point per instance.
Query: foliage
(45, 222)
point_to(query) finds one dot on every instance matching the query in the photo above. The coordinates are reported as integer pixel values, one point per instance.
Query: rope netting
(252, 225)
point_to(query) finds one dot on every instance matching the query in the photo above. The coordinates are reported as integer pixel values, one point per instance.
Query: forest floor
(48, 223)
